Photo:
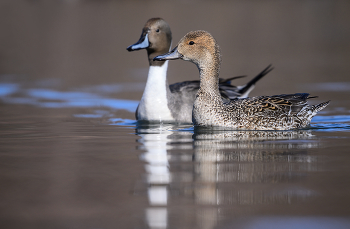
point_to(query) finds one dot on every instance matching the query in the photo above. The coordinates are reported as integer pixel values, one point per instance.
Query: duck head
(155, 38)
(198, 47)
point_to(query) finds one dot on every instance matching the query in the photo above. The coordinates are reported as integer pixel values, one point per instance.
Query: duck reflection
(254, 161)
(216, 168)
(156, 141)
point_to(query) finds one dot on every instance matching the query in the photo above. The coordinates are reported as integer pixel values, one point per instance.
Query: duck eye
(157, 30)
(191, 43)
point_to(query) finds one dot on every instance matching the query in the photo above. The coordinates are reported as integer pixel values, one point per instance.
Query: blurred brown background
(83, 42)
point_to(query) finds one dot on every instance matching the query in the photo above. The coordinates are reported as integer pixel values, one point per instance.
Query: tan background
(84, 42)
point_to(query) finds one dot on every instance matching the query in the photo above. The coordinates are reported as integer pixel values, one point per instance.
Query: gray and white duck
(277, 112)
(162, 102)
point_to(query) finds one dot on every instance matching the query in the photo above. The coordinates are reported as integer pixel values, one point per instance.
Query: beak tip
(172, 55)
(157, 58)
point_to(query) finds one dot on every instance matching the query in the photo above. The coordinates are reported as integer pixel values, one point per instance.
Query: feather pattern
(277, 112)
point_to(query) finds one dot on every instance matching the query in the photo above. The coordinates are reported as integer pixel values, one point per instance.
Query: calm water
(70, 161)
(73, 156)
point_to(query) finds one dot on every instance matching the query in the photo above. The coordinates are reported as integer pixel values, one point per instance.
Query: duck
(277, 112)
(164, 103)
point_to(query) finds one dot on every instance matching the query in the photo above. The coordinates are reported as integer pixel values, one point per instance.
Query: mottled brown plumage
(278, 112)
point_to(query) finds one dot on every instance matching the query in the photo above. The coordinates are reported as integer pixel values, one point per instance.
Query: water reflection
(215, 168)
(331, 123)
(156, 141)
(43, 97)
(260, 158)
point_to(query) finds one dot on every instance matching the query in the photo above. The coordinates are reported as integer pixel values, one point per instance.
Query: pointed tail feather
(251, 83)
(318, 107)
(228, 80)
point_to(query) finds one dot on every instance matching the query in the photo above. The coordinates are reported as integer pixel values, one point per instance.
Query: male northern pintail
(161, 102)
(278, 112)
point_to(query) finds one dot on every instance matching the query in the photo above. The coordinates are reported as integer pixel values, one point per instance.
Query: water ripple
(13, 93)
(8, 89)
(61, 99)
(331, 123)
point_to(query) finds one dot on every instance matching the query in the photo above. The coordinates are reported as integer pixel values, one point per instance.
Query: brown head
(155, 38)
(199, 47)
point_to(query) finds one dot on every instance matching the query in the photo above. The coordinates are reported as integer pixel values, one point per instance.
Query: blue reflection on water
(51, 94)
(123, 122)
(13, 93)
(331, 123)
(58, 99)
(332, 118)
(88, 115)
(8, 88)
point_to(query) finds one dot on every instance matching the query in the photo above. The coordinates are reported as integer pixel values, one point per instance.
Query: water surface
(69, 159)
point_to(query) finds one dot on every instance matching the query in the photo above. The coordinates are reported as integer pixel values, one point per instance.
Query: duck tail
(228, 80)
(244, 91)
(318, 107)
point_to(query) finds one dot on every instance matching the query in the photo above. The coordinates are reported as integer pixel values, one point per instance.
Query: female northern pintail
(278, 112)
(161, 102)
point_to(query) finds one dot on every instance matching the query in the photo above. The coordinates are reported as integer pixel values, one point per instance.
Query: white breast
(154, 104)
